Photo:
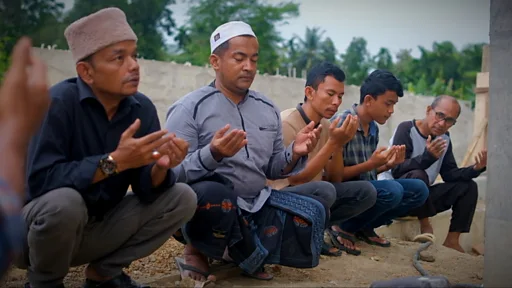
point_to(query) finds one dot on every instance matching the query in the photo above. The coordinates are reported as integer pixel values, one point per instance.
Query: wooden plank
(481, 112)
(482, 80)
(472, 149)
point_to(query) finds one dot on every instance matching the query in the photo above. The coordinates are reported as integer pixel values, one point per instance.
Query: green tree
(329, 51)
(404, 67)
(356, 61)
(445, 64)
(23, 17)
(206, 15)
(312, 49)
(150, 20)
(383, 59)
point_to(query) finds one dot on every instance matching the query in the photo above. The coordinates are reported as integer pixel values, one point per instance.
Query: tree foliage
(150, 19)
(356, 61)
(24, 17)
(442, 69)
(205, 15)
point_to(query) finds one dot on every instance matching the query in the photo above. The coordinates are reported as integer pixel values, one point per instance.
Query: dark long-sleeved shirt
(76, 134)
(418, 158)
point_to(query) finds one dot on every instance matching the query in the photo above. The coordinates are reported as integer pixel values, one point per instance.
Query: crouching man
(99, 137)
(428, 154)
(236, 143)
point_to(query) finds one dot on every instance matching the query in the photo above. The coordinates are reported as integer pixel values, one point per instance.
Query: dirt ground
(375, 263)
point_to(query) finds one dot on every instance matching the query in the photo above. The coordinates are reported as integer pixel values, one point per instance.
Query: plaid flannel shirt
(360, 148)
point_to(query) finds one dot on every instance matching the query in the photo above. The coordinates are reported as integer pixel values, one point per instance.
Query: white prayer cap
(227, 31)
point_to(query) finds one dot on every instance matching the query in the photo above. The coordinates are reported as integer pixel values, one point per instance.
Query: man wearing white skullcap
(101, 136)
(236, 143)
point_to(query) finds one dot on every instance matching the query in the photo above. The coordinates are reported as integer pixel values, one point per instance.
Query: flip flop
(425, 237)
(334, 239)
(326, 250)
(365, 236)
(180, 263)
(256, 275)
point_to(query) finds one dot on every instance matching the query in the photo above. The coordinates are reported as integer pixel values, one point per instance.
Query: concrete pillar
(498, 222)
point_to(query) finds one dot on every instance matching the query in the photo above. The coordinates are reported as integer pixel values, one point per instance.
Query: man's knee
(368, 194)
(326, 191)
(182, 196)
(389, 192)
(420, 175)
(213, 192)
(54, 217)
(421, 191)
(470, 189)
(62, 209)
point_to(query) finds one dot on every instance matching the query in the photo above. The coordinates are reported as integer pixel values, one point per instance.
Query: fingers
(234, 142)
(182, 144)
(164, 161)
(150, 138)
(158, 142)
(309, 127)
(334, 124)
(429, 139)
(347, 122)
(233, 135)
(221, 131)
(176, 152)
(438, 146)
(310, 145)
(354, 124)
(389, 153)
(38, 75)
(130, 131)
(318, 131)
(381, 149)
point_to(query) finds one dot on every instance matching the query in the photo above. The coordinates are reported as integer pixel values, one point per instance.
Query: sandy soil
(375, 263)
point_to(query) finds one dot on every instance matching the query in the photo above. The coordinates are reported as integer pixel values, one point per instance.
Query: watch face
(108, 166)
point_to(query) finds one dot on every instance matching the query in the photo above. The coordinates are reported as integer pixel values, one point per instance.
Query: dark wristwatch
(108, 165)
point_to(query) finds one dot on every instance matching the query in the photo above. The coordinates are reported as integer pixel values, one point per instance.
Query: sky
(394, 24)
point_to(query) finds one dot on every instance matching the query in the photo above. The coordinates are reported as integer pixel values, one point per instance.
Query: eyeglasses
(440, 116)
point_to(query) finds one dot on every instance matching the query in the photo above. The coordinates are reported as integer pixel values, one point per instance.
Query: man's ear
(215, 61)
(85, 71)
(429, 108)
(368, 99)
(308, 91)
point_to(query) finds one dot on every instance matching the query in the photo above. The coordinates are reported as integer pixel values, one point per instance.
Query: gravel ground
(374, 264)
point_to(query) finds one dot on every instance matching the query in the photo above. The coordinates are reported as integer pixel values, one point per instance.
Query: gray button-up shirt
(200, 114)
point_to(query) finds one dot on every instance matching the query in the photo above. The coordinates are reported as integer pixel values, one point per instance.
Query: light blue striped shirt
(196, 118)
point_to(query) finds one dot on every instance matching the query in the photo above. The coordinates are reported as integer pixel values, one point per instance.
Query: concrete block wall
(166, 82)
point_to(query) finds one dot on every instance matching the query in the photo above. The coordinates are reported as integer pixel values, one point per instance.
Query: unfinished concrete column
(498, 220)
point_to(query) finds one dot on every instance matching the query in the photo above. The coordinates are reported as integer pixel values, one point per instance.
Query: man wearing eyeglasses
(428, 154)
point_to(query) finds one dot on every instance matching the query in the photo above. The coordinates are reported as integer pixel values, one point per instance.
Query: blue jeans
(394, 199)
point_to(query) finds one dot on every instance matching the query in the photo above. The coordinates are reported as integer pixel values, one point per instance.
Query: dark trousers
(215, 224)
(352, 199)
(459, 196)
(219, 223)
